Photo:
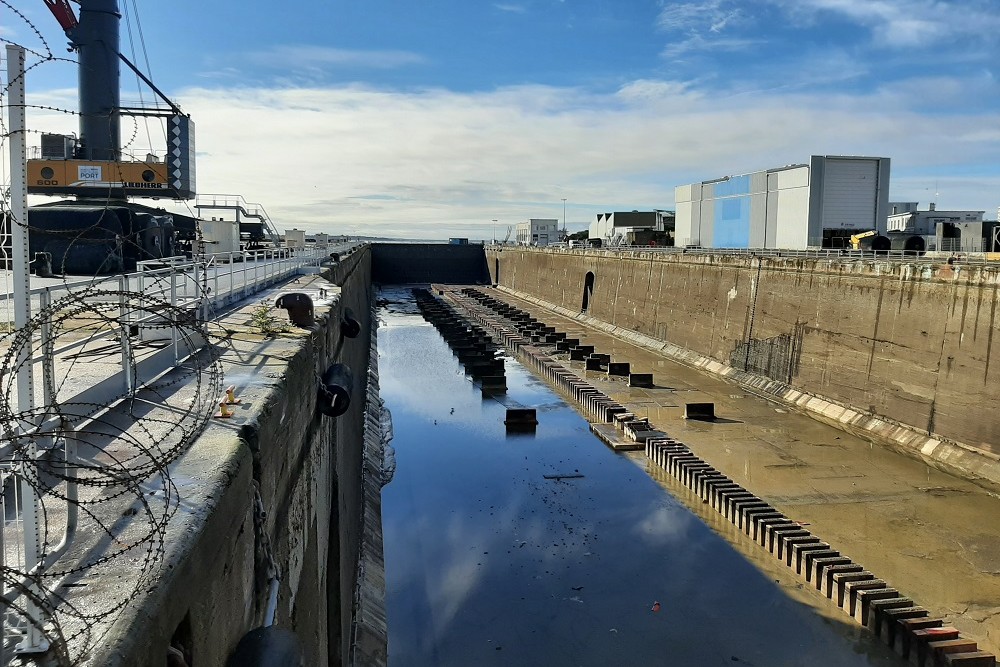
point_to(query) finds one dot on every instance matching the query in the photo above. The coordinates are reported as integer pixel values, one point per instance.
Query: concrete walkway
(933, 536)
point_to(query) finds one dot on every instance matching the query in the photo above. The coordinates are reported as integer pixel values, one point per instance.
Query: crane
(91, 166)
(63, 13)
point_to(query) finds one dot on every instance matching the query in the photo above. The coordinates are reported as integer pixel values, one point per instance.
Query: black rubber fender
(268, 647)
(335, 388)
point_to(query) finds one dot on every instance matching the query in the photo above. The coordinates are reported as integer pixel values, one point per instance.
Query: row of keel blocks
(536, 332)
(908, 629)
(593, 401)
(472, 344)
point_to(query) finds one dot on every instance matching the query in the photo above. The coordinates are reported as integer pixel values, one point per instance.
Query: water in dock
(547, 548)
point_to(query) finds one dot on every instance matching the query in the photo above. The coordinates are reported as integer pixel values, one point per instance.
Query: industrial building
(633, 227)
(816, 205)
(975, 236)
(537, 231)
(945, 231)
(906, 217)
(295, 239)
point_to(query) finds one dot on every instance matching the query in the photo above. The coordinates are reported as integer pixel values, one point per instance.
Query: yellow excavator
(856, 238)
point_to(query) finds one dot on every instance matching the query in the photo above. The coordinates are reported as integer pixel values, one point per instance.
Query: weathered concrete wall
(213, 585)
(912, 343)
(405, 263)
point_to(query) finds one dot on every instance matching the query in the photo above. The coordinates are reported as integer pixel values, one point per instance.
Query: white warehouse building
(820, 204)
(537, 231)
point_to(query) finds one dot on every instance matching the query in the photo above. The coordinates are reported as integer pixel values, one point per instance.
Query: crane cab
(60, 172)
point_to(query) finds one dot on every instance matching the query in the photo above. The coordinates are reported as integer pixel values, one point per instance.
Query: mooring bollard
(299, 307)
(224, 411)
(231, 395)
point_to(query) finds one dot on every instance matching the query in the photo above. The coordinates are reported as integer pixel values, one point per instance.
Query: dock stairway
(253, 220)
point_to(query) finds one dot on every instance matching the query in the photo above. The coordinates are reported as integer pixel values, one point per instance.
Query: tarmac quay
(927, 538)
(544, 547)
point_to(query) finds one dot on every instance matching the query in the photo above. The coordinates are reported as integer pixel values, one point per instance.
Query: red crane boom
(63, 13)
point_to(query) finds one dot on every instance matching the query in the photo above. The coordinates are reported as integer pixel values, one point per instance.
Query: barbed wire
(103, 464)
(31, 26)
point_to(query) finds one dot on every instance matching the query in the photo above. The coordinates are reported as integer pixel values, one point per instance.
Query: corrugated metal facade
(789, 207)
(848, 194)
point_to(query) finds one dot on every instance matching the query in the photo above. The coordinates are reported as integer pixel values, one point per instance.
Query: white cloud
(514, 9)
(691, 15)
(647, 90)
(702, 43)
(299, 56)
(698, 27)
(436, 163)
(663, 525)
(908, 23)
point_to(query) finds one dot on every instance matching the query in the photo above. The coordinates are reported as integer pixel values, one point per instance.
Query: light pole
(494, 231)
(564, 218)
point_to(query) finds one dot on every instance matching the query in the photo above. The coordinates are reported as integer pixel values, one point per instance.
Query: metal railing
(953, 256)
(239, 204)
(160, 308)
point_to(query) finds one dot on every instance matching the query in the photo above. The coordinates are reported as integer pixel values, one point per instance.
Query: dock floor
(934, 536)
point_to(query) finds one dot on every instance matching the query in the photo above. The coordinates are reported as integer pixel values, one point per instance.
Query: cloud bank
(434, 163)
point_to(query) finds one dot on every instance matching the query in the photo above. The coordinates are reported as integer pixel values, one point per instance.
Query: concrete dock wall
(903, 351)
(407, 263)
(309, 471)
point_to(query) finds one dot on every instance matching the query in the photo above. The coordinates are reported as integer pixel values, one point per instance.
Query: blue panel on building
(737, 185)
(732, 222)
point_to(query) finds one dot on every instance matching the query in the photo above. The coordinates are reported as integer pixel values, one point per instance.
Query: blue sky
(430, 119)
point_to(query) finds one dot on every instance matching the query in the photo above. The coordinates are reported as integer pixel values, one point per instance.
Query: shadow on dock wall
(404, 263)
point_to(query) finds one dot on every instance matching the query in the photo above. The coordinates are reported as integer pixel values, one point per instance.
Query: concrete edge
(369, 625)
(222, 494)
(956, 458)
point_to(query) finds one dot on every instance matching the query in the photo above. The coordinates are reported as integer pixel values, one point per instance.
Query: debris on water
(577, 588)
(656, 606)
(571, 475)
(614, 630)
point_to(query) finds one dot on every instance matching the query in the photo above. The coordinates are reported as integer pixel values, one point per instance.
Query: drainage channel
(546, 546)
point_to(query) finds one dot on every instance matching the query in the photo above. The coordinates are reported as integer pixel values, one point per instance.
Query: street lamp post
(494, 231)
(564, 218)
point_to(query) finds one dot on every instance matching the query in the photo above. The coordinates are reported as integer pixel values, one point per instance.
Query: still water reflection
(490, 563)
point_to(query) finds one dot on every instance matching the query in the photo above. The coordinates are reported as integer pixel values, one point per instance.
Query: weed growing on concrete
(265, 321)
